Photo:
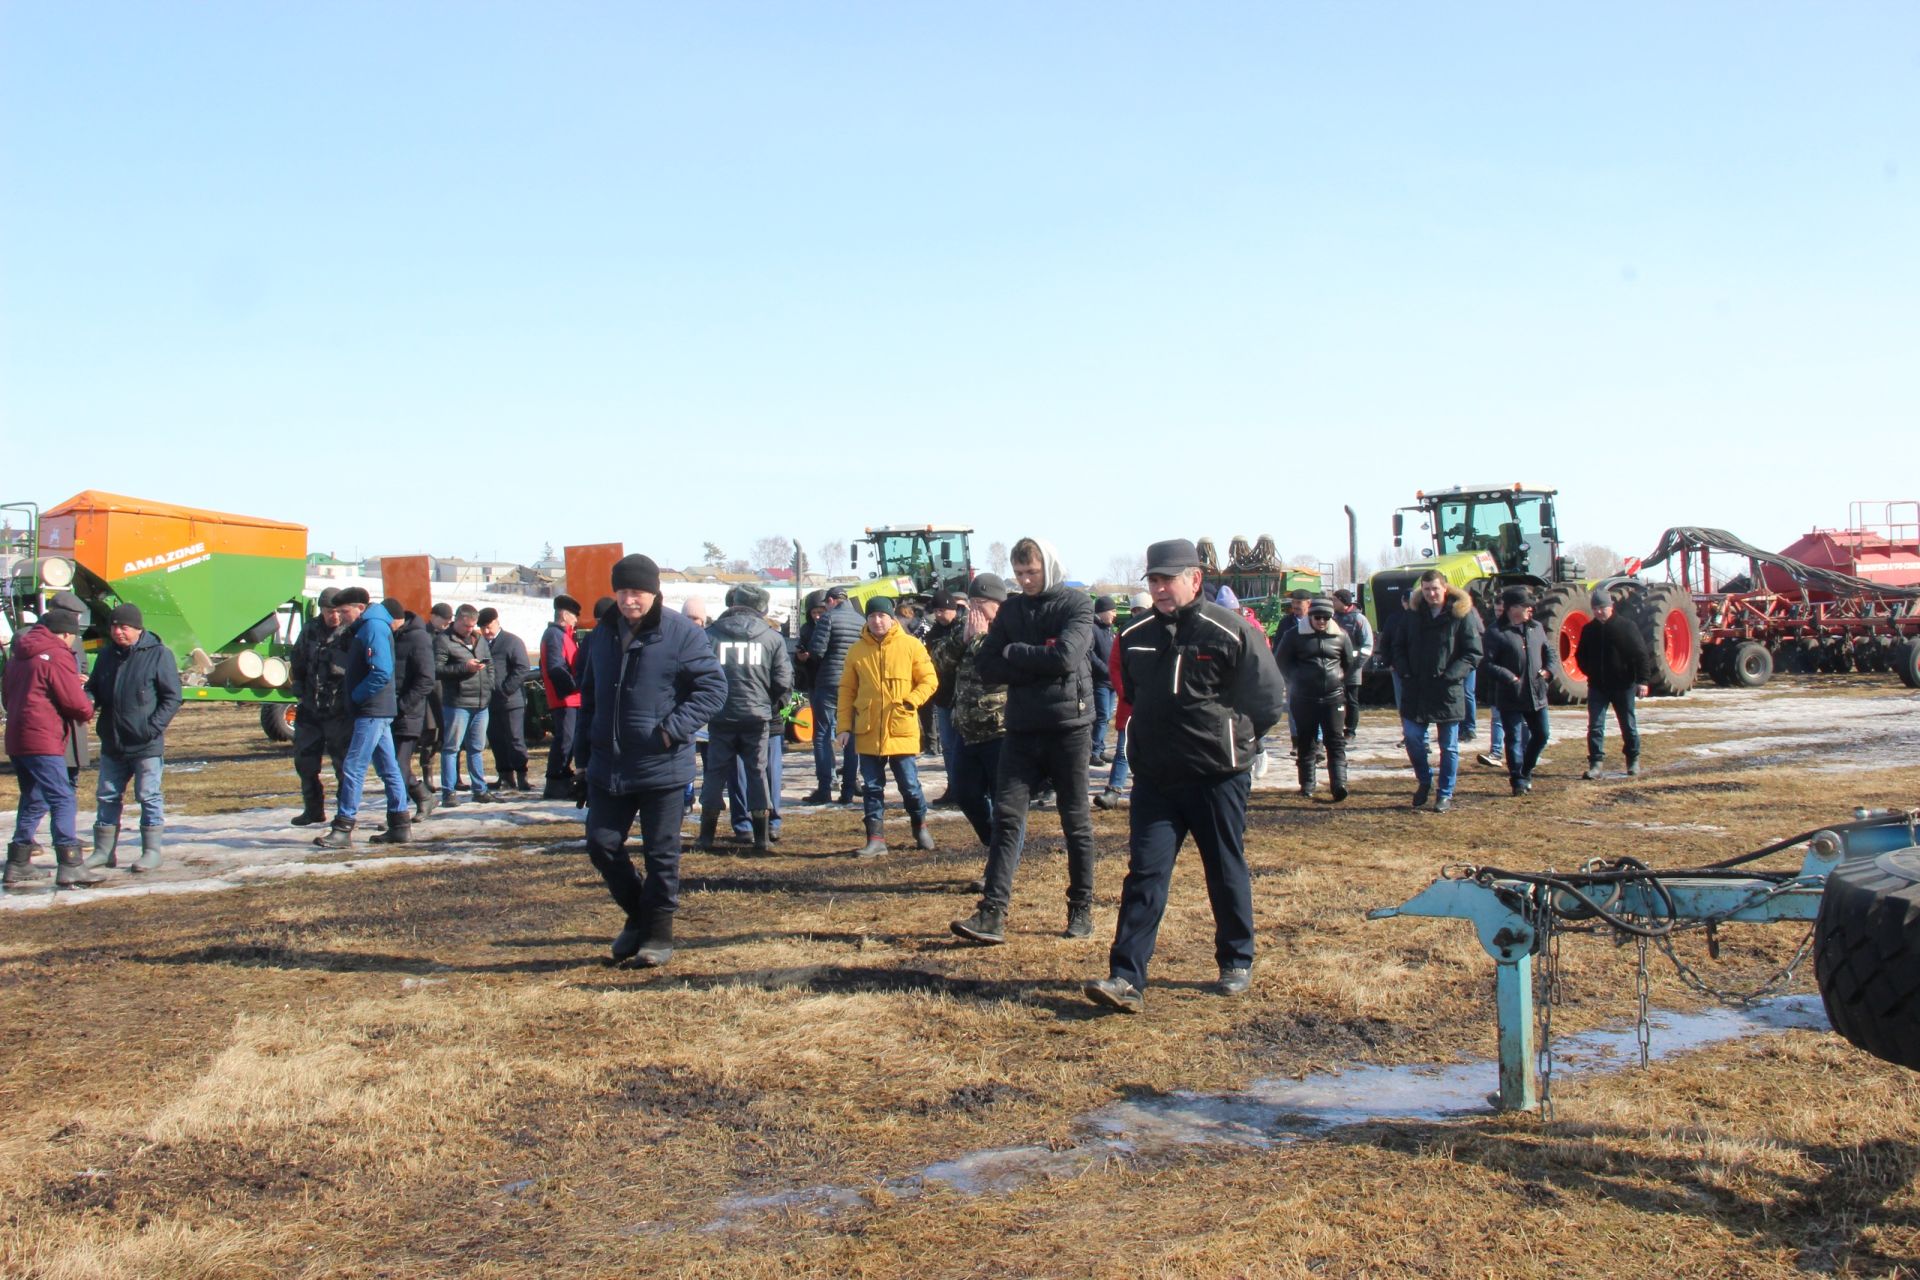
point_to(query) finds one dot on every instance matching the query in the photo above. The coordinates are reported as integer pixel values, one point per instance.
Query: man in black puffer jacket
(135, 686)
(1517, 665)
(1614, 657)
(759, 677)
(835, 633)
(310, 676)
(464, 662)
(414, 680)
(507, 708)
(1315, 664)
(1038, 647)
(1436, 653)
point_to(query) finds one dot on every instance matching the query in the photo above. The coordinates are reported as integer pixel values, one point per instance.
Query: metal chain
(1772, 986)
(1546, 980)
(1642, 985)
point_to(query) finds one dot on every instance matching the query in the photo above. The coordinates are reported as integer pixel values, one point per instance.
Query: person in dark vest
(43, 694)
(414, 681)
(1618, 666)
(135, 687)
(507, 713)
(366, 637)
(558, 645)
(649, 682)
(1314, 664)
(309, 679)
(464, 663)
(1204, 689)
(759, 675)
(1518, 664)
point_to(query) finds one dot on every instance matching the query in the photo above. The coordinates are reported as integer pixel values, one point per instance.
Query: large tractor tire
(1749, 665)
(1866, 954)
(1664, 613)
(1906, 663)
(277, 719)
(1563, 611)
(1714, 661)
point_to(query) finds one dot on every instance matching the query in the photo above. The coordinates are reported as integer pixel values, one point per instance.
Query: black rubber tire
(276, 718)
(1653, 607)
(1557, 607)
(1749, 666)
(1866, 954)
(1714, 661)
(1906, 663)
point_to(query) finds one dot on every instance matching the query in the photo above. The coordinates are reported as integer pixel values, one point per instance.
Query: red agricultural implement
(1786, 614)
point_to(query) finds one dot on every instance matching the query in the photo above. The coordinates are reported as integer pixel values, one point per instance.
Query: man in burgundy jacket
(42, 694)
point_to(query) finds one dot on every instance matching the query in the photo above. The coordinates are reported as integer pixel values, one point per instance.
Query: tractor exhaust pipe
(1353, 548)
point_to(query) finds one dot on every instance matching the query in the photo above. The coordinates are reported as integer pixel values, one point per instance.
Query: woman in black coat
(1517, 664)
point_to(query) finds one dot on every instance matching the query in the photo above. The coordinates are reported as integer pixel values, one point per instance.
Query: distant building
(321, 565)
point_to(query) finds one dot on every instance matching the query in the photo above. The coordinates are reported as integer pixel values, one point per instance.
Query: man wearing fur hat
(1436, 654)
(649, 681)
(135, 687)
(759, 677)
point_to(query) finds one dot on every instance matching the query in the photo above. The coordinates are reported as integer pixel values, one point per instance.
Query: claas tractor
(1489, 537)
(911, 562)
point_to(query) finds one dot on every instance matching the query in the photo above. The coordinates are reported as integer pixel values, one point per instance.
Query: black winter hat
(488, 616)
(568, 603)
(637, 573)
(945, 599)
(62, 622)
(748, 596)
(1344, 596)
(329, 597)
(394, 608)
(602, 607)
(815, 599)
(70, 602)
(1515, 595)
(988, 586)
(1300, 594)
(126, 615)
(1104, 604)
(352, 595)
(835, 593)
(881, 604)
(1175, 555)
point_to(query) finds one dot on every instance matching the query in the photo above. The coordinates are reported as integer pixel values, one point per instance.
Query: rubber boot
(105, 840)
(709, 826)
(20, 868)
(922, 838)
(658, 948)
(1308, 775)
(876, 844)
(151, 839)
(557, 788)
(339, 835)
(74, 873)
(1337, 777)
(760, 844)
(399, 829)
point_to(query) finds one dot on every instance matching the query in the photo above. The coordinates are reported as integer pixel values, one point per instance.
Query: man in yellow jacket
(888, 677)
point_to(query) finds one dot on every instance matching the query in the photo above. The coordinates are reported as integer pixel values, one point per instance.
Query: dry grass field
(428, 1071)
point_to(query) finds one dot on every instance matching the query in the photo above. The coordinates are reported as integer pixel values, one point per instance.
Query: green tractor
(1489, 537)
(911, 562)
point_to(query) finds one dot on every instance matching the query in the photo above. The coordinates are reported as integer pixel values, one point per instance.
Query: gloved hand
(579, 791)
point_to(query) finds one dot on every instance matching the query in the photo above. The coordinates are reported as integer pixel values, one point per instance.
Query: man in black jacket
(413, 681)
(1104, 612)
(1203, 687)
(1436, 652)
(945, 615)
(1614, 657)
(1037, 647)
(135, 687)
(464, 663)
(311, 678)
(558, 645)
(834, 634)
(507, 710)
(753, 657)
(365, 642)
(1314, 665)
(1517, 665)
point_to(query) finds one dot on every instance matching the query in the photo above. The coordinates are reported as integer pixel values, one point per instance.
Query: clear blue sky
(473, 277)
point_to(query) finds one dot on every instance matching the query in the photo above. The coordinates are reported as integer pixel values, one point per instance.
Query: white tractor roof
(1461, 490)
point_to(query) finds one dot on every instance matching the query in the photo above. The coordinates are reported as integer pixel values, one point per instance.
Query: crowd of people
(1016, 686)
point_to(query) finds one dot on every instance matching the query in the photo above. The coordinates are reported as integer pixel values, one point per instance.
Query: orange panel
(408, 579)
(590, 574)
(117, 537)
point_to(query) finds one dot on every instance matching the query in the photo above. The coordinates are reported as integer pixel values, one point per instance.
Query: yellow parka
(882, 688)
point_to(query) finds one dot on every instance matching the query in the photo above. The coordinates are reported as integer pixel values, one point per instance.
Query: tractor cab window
(1506, 526)
(903, 553)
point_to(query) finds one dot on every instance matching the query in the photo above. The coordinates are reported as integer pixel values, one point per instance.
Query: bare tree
(833, 558)
(738, 566)
(773, 552)
(1126, 569)
(1601, 560)
(997, 557)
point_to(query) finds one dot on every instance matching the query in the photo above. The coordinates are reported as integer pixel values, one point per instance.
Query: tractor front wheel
(277, 718)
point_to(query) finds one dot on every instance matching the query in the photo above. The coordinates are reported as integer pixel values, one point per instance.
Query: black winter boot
(658, 948)
(760, 837)
(150, 841)
(399, 829)
(339, 835)
(1079, 922)
(876, 845)
(709, 826)
(627, 942)
(985, 925)
(922, 838)
(74, 873)
(105, 840)
(1308, 778)
(558, 788)
(313, 799)
(1337, 778)
(20, 868)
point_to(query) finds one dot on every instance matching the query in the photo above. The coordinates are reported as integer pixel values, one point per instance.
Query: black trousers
(507, 736)
(976, 769)
(1353, 709)
(1534, 721)
(1029, 761)
(1162, 815)
(1322, 720)
(560, 755)
(315, 739)
(610, 819)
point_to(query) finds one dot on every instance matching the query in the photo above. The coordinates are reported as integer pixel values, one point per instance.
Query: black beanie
(637, 573)
(62, 622)
(566, 602)
(127, 615)
(881, 604)
(329, 596)
(394, 608)
(602, 607)
(487, 616)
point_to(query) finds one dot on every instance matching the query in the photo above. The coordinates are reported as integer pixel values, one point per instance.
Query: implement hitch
(1515, 914)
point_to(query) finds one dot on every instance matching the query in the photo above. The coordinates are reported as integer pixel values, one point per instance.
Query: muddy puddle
(1151, 1129)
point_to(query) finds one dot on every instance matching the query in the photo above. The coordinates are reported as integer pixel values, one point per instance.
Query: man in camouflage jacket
(979, 708)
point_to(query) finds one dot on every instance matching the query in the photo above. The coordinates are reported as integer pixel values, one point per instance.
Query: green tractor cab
(1486, 538)
(911, 562)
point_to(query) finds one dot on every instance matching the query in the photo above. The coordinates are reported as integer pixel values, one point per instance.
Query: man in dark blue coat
(648, 684)
(372, 700)
(135, 686)
(834, 635)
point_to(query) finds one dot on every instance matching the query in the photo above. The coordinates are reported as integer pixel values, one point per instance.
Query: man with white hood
(1038, 647)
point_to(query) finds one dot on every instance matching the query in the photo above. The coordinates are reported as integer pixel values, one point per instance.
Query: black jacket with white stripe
(1204, 688)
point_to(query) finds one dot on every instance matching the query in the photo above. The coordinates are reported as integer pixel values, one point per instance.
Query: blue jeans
(1497, 736)
(1117, 776)
(826, 727)
(975, 767)
(1526, 739)
(372, 743)
(110, 790)
(737, 790)
(1415, 735)
(45, 789)
(1470, 726)
(906, 775)
(1102, 713)
(465, 729)
(727, 748)
(1622, 705)
(949, 740)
